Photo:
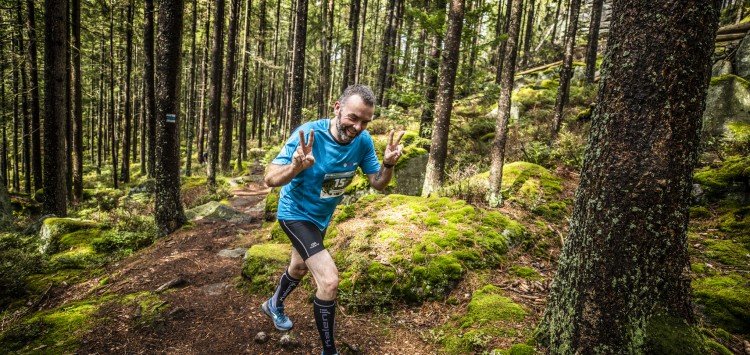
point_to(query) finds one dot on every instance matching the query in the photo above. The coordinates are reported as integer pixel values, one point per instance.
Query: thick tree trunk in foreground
(435, 174)
(214, 104)
(593, 42)
(624, 268)
(227, 94)
(55, 61)
(566, 70)
(169, 214)
(494, 197)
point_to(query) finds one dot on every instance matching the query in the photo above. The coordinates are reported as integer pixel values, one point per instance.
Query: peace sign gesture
(303, 158)
(393, 149)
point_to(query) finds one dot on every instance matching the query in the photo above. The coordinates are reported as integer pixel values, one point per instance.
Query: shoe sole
(265, 310)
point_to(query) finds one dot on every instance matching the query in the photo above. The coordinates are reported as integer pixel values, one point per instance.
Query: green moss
(727, 252)
(79, 238)
(717, 180)
(272, 203)
(717, 348)
(517, 349)
(192, 182)
(670, 335)
(699, 212)
(525, 272)
(723, 334)
(720, 79)
(150, 307)
(698, 268)
(489, 305)
(263, 263)
(53, 230)
(725, 301)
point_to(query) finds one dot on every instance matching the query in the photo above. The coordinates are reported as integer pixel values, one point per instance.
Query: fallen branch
(529, 71)
(741, 27)
(730, 37)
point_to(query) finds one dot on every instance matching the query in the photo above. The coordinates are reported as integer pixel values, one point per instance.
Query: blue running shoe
(280, 320)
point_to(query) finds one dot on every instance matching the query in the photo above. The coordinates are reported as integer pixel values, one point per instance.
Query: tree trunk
(168, 214)
(228, 89)
(102, 120)
(112, 117)
(148, 78)
(125, 171)
(566, 70)
(55, 60)
(494, 196)
(528, 34)
(258, 114)
(431, 81)
(501, 47)
(554, 23)
(204, 78)
(242, 146)
(3, 119)
(298, 65)
(192, 93)
(596, 16)
(629, 224)
(324, 60)
(36, 137)
(435, 173)
(387, 52)
(77, 97)
(351, 57)
(358, 59)
(26, 128)
(214, 108)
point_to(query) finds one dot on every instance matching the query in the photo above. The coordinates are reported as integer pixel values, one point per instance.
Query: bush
(113, 241)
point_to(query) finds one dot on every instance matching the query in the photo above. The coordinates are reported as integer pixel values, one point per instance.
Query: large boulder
(218, 210)
(742, 58)
(263, 264)
(722, 67)
(53, 229)
(727, 102)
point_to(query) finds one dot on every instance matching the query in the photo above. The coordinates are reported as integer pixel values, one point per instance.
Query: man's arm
(380, 179)
(280, 175)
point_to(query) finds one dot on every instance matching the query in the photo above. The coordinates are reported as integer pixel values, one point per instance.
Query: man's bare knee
(298, 271)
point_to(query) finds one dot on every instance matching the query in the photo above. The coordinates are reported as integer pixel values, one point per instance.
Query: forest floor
(206, 313)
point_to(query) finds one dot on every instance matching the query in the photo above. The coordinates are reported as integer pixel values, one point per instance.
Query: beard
(341, 132)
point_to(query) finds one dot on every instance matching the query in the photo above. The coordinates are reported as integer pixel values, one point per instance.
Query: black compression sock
(287, 284)
(325, 313)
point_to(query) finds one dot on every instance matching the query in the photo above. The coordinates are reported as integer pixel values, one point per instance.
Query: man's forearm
(280, 175)
(381, 179)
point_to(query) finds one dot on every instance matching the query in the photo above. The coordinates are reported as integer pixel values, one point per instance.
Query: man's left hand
(393, 150)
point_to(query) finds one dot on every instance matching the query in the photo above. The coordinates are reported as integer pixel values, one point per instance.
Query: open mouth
(351, 132)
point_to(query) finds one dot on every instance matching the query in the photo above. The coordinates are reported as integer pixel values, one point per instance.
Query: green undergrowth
(725, 301)
(263, 265)
(489, 315)
(399, 248)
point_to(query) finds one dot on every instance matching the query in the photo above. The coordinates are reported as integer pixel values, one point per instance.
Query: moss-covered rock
(53, 229)
(670, 335)
(730, 176)
(263, 264)
(272, 204)
(724, 301)
(517, 349)
(411, 249)
(218, 210)
(488, 315)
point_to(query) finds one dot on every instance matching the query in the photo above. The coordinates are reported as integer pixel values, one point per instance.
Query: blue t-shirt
(316, 191)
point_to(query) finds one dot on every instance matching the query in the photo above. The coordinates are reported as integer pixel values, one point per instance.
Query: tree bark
(148, 78)
(501, 47)
(36, 136)
(55, 60)
(125, 170)
(26, 128)
(242, 146)
(102, 120)
(258, 114)
(228, 90)
(214, 108)
(112, 117)
(4, 120)
(593, 42)
(192, 93)
(298, 65)
(169, 214)
(76, 86)
(624, 268)
(204, 78)
(566, 70)
(528, 33)
(351, 56)
(494, 195)
(387, 52)
(435, 173)
(554, 23)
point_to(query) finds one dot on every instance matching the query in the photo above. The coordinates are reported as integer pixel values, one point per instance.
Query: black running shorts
(306, 238)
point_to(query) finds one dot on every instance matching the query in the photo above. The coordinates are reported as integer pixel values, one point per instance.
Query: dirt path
(208, 314)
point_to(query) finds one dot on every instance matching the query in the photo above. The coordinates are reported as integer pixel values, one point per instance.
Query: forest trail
(205, 313)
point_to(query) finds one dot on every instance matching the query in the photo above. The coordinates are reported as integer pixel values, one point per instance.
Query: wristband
(388, 166)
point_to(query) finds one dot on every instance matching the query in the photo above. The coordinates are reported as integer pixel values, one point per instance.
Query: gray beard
(341, 132)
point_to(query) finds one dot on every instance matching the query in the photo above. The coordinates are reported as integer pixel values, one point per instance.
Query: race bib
(335, 184)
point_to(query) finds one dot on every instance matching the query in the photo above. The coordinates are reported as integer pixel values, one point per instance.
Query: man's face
(351, 118)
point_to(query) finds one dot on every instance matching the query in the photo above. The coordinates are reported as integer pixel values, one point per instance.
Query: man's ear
(336, 108)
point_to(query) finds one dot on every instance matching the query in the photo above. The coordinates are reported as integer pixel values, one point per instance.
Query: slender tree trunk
(112, 117)
(228, 89)
(244, 102)
(596, 16)
(258, 114)
(26, 128)
(298, 66)
(351, 58)
(3, 119)
(494, 196)
(77, 97)
(36, 137)
(621, 242)
(55, 60)
(16, 119)
(191, 91)
(387, 52)
(496, 55)
(528, 35)
(144, 129)
(324, 61)
(214, 109)
(125, 171)
(148, 78)
(435, 174)
(554, 23)
(501, 47)
(286, 92)
(102, 120)
(169, 214)
(433, 65)
(204, 83)
(566, 70)
(358, 61)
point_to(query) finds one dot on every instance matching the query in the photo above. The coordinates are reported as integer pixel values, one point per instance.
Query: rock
(147, 187)
(215, 289)
(260, 338)
(232, 253)
(747, 346)
(722, 67)
(53, 229)
(727, 102)
(410, 176)
(217, 210)
(35, 227)
(742, 58)
(263, 263)
(178, 313)
(287, 342)
(176, 282)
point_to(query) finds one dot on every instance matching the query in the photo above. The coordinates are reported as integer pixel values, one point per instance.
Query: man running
(315, 166)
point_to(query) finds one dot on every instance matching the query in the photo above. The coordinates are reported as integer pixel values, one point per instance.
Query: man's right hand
(303, 158)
